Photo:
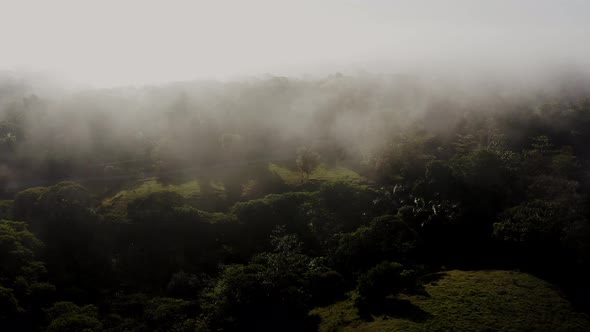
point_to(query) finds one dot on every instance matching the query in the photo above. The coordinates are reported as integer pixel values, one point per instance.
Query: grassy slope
(117, 204)
(321, 173)
(469, 301)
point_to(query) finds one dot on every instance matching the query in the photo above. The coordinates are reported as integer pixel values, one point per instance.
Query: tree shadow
(311, 323)
(394, 308)
(417, 290)
(433, 277)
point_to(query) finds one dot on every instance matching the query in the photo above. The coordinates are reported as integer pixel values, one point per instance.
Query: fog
(112, 43)
(264, 165)
(86, 85)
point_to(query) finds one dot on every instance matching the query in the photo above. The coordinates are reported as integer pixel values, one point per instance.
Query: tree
(6, 209)
(63, 218)
(26, 203)
(404, 157)
(385, 279)
(155, 208)
(166, 314)
(307, 161)
(385, 238)
(23, 290)
(185, 285)
(266, 295)
(536, 222)
(259, 217)
(18, 250)
(66, 202)
(8, 307)
(8, 137)
(324, 285)
(68, 317)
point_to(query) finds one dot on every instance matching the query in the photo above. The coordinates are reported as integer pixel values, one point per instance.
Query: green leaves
(68, 317)
(384, 279)
(8, 305)
(385, 238)
(18, 249)
(307, 160)
(535, 221)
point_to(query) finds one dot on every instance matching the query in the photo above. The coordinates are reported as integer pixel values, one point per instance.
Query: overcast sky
(121, 42)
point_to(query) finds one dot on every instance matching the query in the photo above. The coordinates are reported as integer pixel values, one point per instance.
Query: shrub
(324, 285)
(8, 305)
(385, 279)
(26, 203)
(6, 209)
(67, 316)
(157, 207)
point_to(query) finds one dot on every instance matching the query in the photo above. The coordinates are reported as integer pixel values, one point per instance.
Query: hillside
(117, 204)
(203, 194)
(321, 173)
(466, 301)
(248, 205)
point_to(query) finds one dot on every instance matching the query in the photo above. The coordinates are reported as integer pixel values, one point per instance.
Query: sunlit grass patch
(217, 185)
(118, 203)
(469, 301)
(321, 173)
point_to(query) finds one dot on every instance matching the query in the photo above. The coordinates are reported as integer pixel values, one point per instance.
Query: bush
(67, 316)
(6, 209)
(75, 323)
(258, 297)
(259, 217)
(385, 279)
(185, 285)
(325, 286)
(8, 305)
(154, 208)
(307, 160)
(26, 203)
(166, 314)
(385, 238)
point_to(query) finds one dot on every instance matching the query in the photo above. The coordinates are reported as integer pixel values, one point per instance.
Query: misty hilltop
(276, 165)
(57, 135)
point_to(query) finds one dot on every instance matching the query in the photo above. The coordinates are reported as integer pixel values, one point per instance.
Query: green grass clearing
(469, 301)
(321, 173)
(118, 203)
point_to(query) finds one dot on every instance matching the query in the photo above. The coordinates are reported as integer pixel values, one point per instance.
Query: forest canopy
(244, 205)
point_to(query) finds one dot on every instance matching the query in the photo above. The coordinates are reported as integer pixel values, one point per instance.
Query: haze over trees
(276, 165)
(206, 206)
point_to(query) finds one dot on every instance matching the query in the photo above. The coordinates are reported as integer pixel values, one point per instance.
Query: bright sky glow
(120, 42)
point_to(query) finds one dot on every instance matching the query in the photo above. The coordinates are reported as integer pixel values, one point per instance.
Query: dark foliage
(252, 251)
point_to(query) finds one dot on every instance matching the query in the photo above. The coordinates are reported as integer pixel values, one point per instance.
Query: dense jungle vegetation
(279, 204)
